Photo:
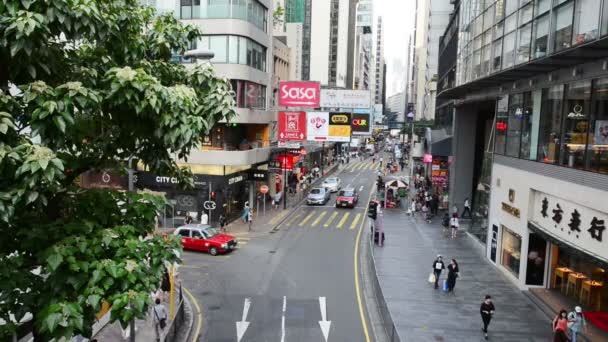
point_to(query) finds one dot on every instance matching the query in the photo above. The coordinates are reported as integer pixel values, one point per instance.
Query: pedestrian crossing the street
(346, 220)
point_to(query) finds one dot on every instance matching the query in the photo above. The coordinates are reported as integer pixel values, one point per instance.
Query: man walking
(467, 208)
(438, 266)
(487, 311)
(160, 318)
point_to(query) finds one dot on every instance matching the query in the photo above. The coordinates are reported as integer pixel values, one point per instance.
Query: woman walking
(452, 275)
(560, 326)
(454, 224)
(487, 311)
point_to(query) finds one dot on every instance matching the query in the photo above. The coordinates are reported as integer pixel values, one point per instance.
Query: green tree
(87, 85)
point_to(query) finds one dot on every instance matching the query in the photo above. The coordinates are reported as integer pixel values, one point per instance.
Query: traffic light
(212, 195)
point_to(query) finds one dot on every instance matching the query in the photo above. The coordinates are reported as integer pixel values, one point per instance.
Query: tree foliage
(87, 85)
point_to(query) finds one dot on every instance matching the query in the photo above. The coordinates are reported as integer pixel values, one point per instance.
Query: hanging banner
(299, 94)
(339, 127)
(292, 126)
(342, 98)
(317, 126)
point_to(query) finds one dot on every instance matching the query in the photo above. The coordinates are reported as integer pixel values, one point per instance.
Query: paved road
(284, 279)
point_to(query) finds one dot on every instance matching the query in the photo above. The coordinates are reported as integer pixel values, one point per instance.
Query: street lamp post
(203, 54)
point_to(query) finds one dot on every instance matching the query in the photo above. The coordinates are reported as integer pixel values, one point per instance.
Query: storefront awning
(571, 249)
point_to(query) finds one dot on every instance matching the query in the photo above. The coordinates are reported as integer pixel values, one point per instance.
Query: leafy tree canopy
(87, 85)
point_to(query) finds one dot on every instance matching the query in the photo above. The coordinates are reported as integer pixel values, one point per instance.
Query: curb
(190, 313)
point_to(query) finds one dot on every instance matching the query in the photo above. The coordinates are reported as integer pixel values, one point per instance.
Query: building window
(550, 124)
(511, 251)
(540, 36)
(597, 151)
(497, 55)
(235, 50)
(249, 10)
(502, 116)
(219, 46)
(525, 14)
(249, 94)
(514, 123)
(542, 7)
(605, 18)
(511, 6)
(576, 123)
(562, 26)
(508, 54)
(526, 125)
(586, 20)
(523, 44)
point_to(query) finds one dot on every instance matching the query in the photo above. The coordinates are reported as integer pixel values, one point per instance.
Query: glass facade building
(248, 10)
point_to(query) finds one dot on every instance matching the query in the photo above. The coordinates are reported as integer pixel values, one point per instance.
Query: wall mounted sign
(292, 126)
(510, 209)
(361, 124)
(342, 98)
(339, 127)
(317, 126)
(299, 94)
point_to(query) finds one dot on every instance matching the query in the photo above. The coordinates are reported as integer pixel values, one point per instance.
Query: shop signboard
(152, 181)
(428, 158)
(343, 98)
(299, 94)
(292, 126)
(361, 122)
(289, 144)
(317, 126)
(339, 127)
(258, 175)
(572, 223)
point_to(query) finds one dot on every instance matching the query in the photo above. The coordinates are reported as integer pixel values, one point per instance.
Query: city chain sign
(292, 126)
(342, 98)
(299, 94)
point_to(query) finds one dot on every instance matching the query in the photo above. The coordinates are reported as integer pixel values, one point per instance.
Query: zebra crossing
(362, 165)
(325, 218)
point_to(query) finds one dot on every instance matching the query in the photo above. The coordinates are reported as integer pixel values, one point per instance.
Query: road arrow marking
(283, 319)
(361, 188)
(324, 323)
(242, 326)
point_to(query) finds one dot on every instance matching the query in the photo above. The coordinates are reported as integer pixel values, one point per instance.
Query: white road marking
(361, 188)
(324, 323)
(283, 319)
(242, 326)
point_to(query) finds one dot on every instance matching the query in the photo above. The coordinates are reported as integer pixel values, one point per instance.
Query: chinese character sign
(292, 126)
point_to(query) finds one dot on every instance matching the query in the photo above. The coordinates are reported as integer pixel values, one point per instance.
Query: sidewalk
(421, 313)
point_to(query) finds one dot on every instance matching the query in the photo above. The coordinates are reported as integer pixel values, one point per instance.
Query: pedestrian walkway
(421, 313)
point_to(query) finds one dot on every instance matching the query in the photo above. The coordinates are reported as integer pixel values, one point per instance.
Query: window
(249, 10)
(218, 8)
(486, 52)
(498, 30)
(196, 234)
(605, 18)
(526, 125)
(562, 27)
(576, 123)
(542, 6)
(523, 40)
(597, 151)
(511, 250)
(501, 124)
(540, 36)
(511, 6)
(586, 20)
(488, 18)
(184, 233)
(550, 124)
(514, 123)
(497, 55)
(249, 94)
(500, 10)
(525, 14)
(511, 23)
(219, 46)
(508, 53)
(233, 49)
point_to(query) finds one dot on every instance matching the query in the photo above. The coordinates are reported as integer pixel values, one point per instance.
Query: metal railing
(175, 326)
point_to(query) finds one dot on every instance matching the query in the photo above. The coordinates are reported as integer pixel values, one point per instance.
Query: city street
(295, 285)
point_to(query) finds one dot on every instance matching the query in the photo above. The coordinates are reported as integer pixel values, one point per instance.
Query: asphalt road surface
(295, 285)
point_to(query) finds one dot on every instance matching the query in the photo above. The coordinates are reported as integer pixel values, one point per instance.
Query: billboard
(292, 126)
(339, 127)
(341, 98)
(317, 126)
(361, 124)
(299, 94)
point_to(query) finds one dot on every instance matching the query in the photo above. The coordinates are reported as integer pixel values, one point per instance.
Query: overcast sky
(398, 17)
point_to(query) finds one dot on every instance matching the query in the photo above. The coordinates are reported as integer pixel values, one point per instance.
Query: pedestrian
(188, 219)
(454, 224)
(467, 208)
(381, 161)
(487, 311)
(576, 322)
(250, 219)
(222, 223)
(160, 318)
(246, 210)
(560, 326)
(277, 198)
(445, 222)
(438, 266)
(453, 273)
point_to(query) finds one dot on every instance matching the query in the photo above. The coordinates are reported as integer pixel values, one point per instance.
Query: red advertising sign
(292, 126)
(299, 94)
(286, 162)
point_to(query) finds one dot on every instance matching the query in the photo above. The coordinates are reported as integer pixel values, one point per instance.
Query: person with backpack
(576, 322)
(160, 318)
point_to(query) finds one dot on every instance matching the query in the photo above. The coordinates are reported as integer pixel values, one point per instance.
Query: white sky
(398, 17)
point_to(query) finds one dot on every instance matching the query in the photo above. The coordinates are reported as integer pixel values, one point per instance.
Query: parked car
(332, 183)
(318, 196)
(347, 198)
(202, 237)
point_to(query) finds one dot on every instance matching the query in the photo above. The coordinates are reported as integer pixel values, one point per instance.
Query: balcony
(229, 158)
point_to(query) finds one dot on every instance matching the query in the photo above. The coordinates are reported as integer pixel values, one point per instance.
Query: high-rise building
(290, 32)
(327, 61)
(379, 61)
(294, 11)
(239, 33)
(432, 16)
(363, 56)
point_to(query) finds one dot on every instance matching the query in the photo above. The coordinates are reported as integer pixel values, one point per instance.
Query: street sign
(299, 94)
(209, 205)
(289, 144)
(292, 126)
(264, 189)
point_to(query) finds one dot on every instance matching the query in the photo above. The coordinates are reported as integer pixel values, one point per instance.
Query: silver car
(332, 183)
(318, 196)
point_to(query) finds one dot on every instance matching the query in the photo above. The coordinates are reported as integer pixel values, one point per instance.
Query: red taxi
(347, 198)
(202, 237)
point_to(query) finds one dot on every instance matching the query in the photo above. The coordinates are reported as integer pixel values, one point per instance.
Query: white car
(332, 183)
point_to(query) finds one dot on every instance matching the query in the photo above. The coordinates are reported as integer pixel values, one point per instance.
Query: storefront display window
(586, 20)
(562, 26)
(550, 124)
(501, 124)
(516, 114)
(526, 125)
(537, 251)
(511, 251)
(576, 123)
(597, 149)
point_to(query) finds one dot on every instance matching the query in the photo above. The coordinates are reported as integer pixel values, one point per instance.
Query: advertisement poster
(317, 126)
(339, 127)
(342, 98)
(601, 132)
(361, 122)
(292, 126)
(299, 94)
